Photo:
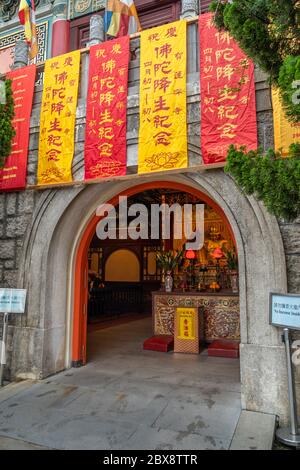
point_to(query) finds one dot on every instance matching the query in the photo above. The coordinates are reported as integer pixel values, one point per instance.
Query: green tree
(7, 131)
(270, 178)
(268, 31)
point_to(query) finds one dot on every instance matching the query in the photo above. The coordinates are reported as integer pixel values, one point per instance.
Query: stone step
(254, 431)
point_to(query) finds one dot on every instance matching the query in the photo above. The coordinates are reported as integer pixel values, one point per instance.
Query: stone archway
(50, 252)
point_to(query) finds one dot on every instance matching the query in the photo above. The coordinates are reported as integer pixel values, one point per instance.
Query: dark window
(80, 32)
(151, 13)
(157, 12)
(205, 5)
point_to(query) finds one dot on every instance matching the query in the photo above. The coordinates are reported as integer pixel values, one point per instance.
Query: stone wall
(16, 211)
(291, 239)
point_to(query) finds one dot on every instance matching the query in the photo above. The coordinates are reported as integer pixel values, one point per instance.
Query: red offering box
(161, 343)
(223, 348)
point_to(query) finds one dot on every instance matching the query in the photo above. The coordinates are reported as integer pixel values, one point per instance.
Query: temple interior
(123, 273)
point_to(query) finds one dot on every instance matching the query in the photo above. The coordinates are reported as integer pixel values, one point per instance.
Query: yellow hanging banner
(163, 119)
(57, 122)
(285, 132)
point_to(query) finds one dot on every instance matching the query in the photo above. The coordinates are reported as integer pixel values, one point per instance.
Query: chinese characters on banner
(13, 175)
(58, 113)
(285, 133)
(105, 137)
(186, 324)
(163, 120)
(228, 107)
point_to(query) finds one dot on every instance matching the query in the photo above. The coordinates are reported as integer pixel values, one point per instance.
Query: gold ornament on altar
(215, 287)
(214, 242)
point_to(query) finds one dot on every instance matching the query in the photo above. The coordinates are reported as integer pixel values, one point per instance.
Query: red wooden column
(60, 28)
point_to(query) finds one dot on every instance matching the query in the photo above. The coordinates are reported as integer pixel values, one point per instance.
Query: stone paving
(127, 398)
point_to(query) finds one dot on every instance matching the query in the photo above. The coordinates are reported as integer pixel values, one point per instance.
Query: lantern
(218, 254)
(190, 254)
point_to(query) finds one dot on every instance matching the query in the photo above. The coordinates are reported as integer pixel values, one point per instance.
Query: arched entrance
(81, 286)
(53, 263)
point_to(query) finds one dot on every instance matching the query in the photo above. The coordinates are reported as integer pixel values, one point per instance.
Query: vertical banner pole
(105, 21)
(3, 347)
(290, 436)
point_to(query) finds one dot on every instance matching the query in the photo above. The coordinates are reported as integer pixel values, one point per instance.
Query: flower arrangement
(168, 260)
(232, 259)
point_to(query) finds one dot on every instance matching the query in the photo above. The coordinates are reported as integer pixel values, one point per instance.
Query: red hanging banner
(13, 174)
(228, 106)
(105, 137)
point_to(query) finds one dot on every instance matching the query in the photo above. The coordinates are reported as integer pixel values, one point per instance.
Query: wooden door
(85, 312)
(80, 32)
(205, 5)
(79, 352)
(157, 12)
(151, 13)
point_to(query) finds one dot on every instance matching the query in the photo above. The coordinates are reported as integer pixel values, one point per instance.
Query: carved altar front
(221, 313)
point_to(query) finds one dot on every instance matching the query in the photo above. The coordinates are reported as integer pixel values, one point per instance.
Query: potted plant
(233, 266)
(168, 261)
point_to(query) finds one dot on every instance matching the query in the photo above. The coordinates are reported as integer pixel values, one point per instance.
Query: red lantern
(190, 254)
(218, 254)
